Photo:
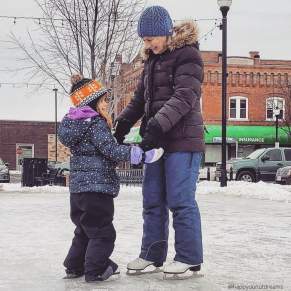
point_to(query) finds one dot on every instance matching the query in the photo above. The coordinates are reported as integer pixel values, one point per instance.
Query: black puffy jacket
(169, 90)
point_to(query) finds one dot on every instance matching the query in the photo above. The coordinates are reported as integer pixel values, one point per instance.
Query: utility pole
(56, 123)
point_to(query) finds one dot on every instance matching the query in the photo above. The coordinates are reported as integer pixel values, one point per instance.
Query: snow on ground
(246, 236)
(260, 190)
(16, 187)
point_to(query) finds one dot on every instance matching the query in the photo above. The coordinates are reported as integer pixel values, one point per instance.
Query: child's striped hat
(85, 91)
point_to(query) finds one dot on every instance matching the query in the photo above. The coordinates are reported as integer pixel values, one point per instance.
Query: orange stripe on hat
(81, 94)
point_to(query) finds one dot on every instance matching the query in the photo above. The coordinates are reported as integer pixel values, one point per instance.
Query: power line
(62, 20)
(39, 19)
(26, 84)
(209, 33)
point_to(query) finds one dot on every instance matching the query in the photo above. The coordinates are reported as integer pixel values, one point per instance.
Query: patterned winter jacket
(95, 154)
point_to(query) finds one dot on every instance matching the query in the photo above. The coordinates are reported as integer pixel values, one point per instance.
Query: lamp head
(224, 3)
(277, 111)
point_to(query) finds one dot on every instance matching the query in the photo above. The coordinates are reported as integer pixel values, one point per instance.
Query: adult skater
(167, 99)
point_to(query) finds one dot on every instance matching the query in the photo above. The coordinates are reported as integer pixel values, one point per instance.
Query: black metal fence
(134, 176)
(130, 176)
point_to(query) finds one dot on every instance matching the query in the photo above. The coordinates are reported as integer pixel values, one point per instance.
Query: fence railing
(135, 176)
(130, 176)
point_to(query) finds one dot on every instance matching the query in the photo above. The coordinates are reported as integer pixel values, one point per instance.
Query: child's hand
(137, 155)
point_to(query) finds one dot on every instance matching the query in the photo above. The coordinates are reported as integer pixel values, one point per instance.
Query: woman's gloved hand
(122, 128)
(152, 135)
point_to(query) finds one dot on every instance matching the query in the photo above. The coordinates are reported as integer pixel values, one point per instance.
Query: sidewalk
(246, 242)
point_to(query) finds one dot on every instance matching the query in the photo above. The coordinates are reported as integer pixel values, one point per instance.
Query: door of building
(23, 151)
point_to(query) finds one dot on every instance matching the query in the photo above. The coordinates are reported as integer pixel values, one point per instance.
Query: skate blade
(131, 272)
(70, 277)
(114, 277)
(182, 276)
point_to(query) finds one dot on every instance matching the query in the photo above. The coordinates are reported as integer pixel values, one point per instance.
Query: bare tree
(80, 36)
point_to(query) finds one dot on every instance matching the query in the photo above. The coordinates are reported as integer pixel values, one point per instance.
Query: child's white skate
(178, 271)
(140, 266)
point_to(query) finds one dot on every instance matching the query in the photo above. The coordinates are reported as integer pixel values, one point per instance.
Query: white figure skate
(140, 266)
(177, 270)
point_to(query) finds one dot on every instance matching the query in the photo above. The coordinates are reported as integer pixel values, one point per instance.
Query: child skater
(86, 130)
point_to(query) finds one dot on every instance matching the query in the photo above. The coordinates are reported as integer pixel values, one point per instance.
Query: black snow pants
(93, 243)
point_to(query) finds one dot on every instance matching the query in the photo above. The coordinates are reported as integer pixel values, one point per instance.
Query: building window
(238, 108)
(271, 104)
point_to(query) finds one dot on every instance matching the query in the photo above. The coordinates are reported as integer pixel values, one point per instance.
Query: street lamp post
(112, 85)
(224, 8)
(56, 124)
(277, 112)
(114, 70)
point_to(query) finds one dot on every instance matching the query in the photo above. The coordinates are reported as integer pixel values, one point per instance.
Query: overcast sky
(253, 25)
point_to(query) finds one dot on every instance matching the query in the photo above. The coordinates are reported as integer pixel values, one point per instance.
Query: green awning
(247, 134)
(235, 133)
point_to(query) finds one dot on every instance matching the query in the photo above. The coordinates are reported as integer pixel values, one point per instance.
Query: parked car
(283, 175)
(4, 172)
(63, 166)
(261, 164)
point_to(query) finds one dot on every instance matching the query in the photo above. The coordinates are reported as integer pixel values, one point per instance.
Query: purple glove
(136, 155)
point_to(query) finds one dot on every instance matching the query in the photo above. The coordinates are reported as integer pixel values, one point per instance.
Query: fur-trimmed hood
(185, 33)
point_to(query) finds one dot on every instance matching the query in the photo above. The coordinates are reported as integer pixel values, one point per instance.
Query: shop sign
(218, 139)
(19, 151)
(251, 140)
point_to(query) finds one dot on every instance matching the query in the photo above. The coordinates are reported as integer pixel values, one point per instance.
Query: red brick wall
(250, 77)
(13, 132)
(255, 83)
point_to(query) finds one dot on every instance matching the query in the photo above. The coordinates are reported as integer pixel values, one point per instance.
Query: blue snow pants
(170, 183)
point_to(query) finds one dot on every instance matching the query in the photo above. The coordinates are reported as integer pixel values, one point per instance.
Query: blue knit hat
(155, 21)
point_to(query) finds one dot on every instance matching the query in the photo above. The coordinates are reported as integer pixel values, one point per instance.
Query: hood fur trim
(185, 33)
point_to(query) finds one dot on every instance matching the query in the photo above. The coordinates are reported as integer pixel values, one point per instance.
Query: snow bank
(260, 190)
(16, 187)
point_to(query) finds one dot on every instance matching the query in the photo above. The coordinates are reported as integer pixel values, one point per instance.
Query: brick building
(28, 139)
(255, 88)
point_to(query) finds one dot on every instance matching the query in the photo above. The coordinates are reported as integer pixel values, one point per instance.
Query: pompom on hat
(155, 21)
(86, 91)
